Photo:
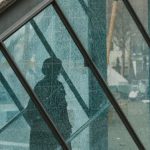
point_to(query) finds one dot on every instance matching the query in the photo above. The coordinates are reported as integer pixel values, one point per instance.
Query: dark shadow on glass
(63, 72)
(51, 93)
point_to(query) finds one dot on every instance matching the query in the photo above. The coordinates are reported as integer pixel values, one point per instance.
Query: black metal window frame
(28, 18)
(33, 97)
(99, 78)
(88, 61)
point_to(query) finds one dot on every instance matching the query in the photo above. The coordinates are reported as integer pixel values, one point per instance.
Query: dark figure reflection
(51, 93)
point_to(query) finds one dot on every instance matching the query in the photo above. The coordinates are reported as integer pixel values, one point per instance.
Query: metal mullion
(87, 124)
(63, 72)
(99, 78)
(137, 21)
(133, 15)
(34, 98)
(25, 19)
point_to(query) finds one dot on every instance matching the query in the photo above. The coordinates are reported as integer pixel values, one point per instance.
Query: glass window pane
(31, 55)
(19, 135)
(127, 52)
(78, 18)
(75, 78)
(128, 72)
(19, 132)
(88, 19)
(12, 95)
(118, 137)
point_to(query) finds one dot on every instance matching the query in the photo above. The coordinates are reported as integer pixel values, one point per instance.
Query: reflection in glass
(88, 20)
(29, 52)
(18, 135)
(51, 93)
(115, 131)
(128, 71)
(10, 99)
(15, 130)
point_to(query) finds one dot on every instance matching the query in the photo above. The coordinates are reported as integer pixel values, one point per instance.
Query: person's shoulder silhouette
(51, 69)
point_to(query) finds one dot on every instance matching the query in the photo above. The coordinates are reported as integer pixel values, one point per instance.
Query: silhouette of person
(51, 94)
(118, 66)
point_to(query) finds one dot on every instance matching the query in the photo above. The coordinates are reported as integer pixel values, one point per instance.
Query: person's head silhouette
(51, 67)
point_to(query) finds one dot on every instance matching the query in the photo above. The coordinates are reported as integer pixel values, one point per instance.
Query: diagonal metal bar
(87, 124)
(137, 21)
(99, 78)
(34, 98)
(18, 25)
(11, 92)
(44, 4)
(15, 100)
(132, 13)
(74, 135)
(63, 72)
